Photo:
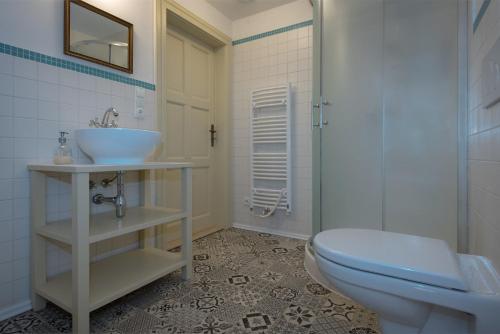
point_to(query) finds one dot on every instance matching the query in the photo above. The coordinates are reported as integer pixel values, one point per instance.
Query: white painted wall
(38, 26)
(484, 146)
(208, 13)
(278, 17)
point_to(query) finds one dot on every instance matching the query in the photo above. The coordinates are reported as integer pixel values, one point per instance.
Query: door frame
(315, 119)
(168, 12)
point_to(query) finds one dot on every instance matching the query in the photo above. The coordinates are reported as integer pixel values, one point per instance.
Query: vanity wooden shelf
(89, 286)
(105, 225)
(114, 277)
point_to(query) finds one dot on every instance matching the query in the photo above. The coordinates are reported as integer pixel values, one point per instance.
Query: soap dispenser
(63, 154)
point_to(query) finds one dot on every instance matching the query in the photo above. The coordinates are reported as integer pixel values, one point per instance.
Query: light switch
(140, 96)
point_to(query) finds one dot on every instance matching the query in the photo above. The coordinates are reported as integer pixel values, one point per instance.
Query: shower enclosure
(389, 117)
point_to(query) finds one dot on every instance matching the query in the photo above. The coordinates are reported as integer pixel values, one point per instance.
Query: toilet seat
(467, 301)
(403, 278)
(418, 259)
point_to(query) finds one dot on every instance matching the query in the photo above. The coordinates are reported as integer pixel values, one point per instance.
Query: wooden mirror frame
(67, 28)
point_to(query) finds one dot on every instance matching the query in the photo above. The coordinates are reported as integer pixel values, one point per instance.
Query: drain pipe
(119, 200)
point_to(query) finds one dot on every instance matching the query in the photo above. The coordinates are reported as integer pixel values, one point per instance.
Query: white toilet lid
(419, 259)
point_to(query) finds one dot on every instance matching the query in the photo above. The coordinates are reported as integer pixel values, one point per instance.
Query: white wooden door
(189, 115)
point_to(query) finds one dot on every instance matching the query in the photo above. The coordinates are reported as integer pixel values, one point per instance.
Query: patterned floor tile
(212, 325)
(271, 276)
(328, 325)
(9, 327)
(205, 284)
(164, 309)
(316, 289)
(246, 298)
(231, 312)
(243, 282)
(273, 306)
(141, 322)
(362, 330)
(256, 322)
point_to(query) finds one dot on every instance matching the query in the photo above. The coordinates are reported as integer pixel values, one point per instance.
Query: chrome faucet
(105, 123)
(119, 200)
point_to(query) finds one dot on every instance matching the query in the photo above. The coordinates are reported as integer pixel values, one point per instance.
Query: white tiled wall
(484, 146)
(37, 101)
(277, 59)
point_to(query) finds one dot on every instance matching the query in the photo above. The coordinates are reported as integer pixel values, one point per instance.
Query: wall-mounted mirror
(97, 36)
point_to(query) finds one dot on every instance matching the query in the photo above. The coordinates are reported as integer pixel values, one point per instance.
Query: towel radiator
(271, 150)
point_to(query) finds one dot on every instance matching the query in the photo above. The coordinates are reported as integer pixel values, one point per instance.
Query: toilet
(415, 284)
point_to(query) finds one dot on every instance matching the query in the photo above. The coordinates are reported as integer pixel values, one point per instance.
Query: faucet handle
(94, 122)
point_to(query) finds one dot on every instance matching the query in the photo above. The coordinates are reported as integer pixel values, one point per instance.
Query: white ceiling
(236, 9)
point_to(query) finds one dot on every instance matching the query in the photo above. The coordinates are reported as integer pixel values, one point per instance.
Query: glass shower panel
(420, 118)
(351, 142)
(388, 155)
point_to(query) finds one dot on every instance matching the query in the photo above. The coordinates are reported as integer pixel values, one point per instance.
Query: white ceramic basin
(116, 145)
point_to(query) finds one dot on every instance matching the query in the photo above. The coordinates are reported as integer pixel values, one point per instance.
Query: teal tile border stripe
(479, 17)
(273, 32)
(72, 66)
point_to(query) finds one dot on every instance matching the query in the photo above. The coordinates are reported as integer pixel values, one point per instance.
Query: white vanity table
(91, 285)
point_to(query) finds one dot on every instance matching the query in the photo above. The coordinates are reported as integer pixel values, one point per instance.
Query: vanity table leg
(38, 243)
(187, 228)
(80, 253)
(148, 237)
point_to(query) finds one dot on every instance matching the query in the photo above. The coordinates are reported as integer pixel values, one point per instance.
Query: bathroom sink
(117, 145)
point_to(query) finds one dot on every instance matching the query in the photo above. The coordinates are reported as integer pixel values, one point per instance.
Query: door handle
(212, 134)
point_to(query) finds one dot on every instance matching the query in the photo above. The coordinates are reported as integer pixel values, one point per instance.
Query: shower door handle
(314, 107)
(322, 122)
(322, 116)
